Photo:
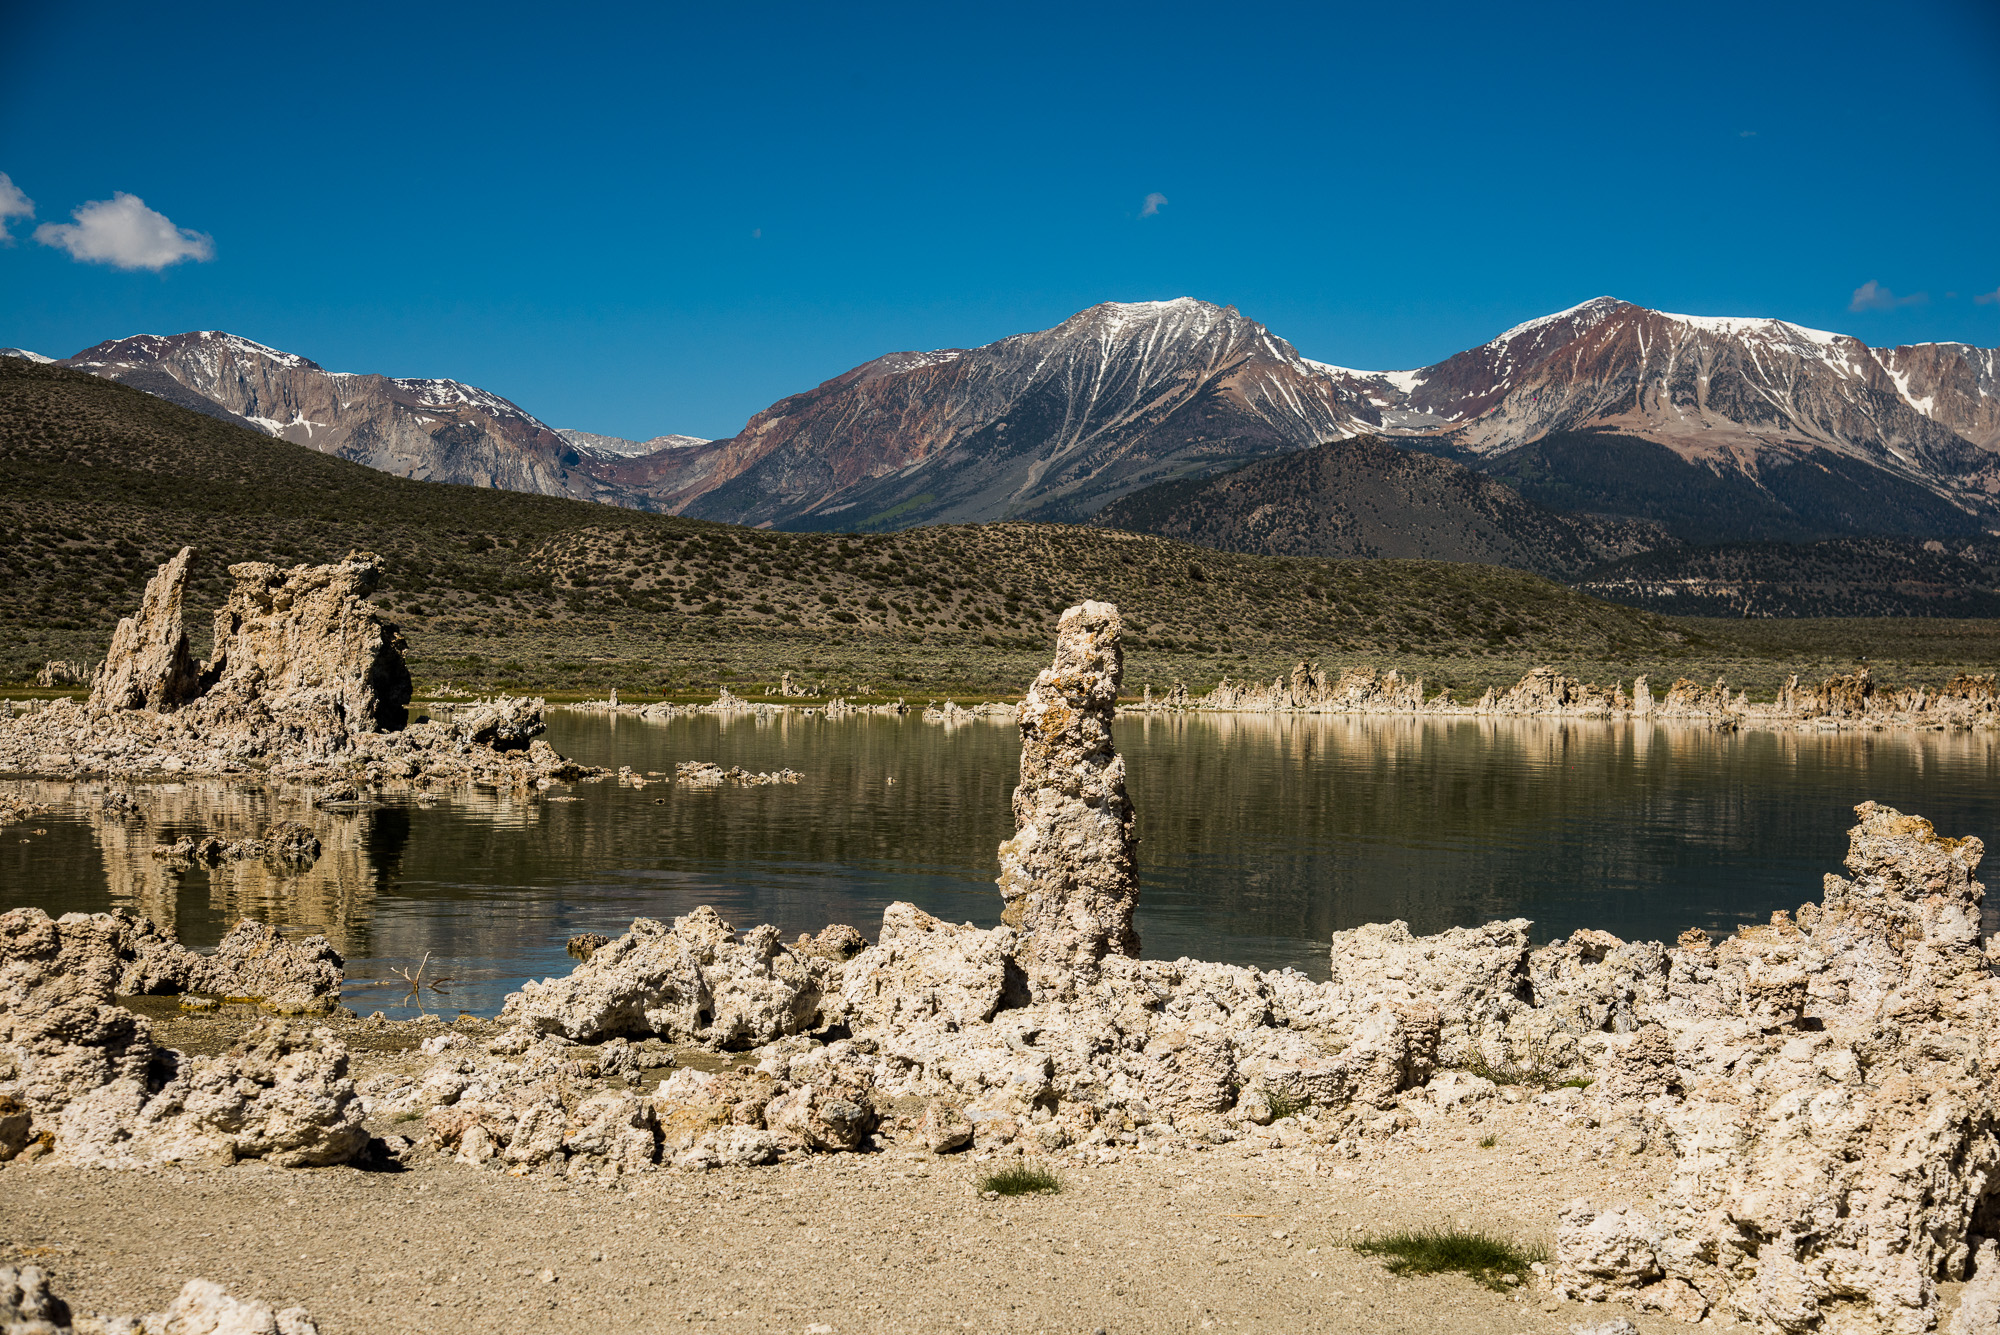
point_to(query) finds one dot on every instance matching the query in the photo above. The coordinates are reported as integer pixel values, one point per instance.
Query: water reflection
(1261, 834)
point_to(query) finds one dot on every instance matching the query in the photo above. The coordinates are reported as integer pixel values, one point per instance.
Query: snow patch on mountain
(596, 446)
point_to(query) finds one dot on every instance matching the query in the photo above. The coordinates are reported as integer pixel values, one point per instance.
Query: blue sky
(664, 218)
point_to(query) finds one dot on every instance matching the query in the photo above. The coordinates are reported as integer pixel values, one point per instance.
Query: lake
(1260, 835)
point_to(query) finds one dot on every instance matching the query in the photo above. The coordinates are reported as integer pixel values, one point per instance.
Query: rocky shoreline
(1853, 700)
(1808, 1107)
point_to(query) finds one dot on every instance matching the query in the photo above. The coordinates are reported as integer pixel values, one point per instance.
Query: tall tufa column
(1067, 875)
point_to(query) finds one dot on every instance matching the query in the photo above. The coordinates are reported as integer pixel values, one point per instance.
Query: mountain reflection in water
(1260, 836)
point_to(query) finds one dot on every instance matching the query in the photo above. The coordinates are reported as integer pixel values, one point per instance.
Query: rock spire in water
(149, 665)
(309, 633)
(298, 653)
(1067, 874)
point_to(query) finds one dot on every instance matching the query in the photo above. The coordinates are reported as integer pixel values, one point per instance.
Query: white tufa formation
(1067, 875)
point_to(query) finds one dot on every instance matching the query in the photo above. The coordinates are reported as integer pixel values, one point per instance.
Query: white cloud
(14, 203)
(1872, 296)
(124, 233)
(1987, 298)
(1154, 203)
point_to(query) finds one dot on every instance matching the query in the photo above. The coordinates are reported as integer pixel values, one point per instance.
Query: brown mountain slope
(434, 430)
(1056, 423)
(1048, 424)
(1364, 497)
(1742, 423)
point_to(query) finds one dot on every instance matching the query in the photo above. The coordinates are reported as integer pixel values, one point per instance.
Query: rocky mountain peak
(215, 347)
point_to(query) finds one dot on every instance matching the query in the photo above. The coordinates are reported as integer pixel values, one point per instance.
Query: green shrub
(1021, 1179)
(1485, 1257)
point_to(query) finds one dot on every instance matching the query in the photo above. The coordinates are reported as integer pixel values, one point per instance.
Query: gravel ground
(1246, 1236)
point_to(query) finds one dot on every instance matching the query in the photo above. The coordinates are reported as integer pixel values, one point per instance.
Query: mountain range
(1708, 428)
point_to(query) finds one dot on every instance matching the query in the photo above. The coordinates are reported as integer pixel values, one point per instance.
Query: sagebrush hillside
(1363, 497)
(102, 482)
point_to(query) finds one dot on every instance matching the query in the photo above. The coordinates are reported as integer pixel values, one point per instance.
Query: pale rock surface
(1979, 1302)
(305, 639)
(58, 672)
(1067, 876)
(503, 723)
(306, 683)
(25, 1298)
(691, 982)
(1832, 1109)
(133, 956)
(1477, 977)
(922, 969)
(204, 1307)
(149, 665)
(97, 1090)
(281, 1094)
(291, 977)
(61, 1035)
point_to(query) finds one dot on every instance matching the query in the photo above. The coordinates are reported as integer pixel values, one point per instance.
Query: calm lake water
(1259, 836)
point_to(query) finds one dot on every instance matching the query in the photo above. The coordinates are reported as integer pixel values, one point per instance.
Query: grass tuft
(1023, 1179)
(1486, 1258)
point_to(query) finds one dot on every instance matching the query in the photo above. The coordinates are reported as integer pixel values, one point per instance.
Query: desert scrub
(1022, 1179)
(1285, 1105)
(1485, 1257)
(1534, 1064)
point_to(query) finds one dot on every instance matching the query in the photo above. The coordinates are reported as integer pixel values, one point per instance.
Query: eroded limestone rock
(61, 1034)
(28, 1306)
(292, 977)
(925, 969)
(1067, 875)
(1833, 1113)
(64, 1042)
(693, 981)
(149, 665)
(306, 682)
(305, 640)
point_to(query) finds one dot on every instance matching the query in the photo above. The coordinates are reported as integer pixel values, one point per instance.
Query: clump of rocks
(203, 1307)
(57, 673)
(1826, 1083)
(708, 774)
(1823, 1081)
(306, 683)
(286, 845)
(81, 1078)
(15, 807)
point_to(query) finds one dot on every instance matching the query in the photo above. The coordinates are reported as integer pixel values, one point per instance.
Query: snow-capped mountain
(1791, 430)
(1746, 427)
(1608, 363)
(438, 430)
(1055, 423)
(594, 446)
(1049, 424)
(25, 355)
